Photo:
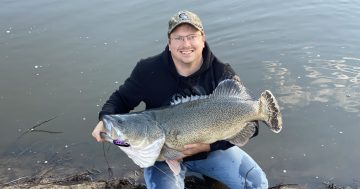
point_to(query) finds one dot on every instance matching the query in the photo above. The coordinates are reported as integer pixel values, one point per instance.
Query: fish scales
(160, 134)
(203, 120)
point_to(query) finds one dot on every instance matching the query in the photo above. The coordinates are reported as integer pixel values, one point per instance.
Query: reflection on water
(328, 81)
(290, 93)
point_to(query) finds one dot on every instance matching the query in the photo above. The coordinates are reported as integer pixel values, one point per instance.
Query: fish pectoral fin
(244, 135)
(172, 157)
(174, 166)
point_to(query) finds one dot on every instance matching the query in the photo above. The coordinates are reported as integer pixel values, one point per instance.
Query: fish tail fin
(270, 108)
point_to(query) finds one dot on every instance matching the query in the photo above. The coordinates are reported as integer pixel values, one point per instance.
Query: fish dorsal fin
(227, 87)
(180, 100)
(231, 87)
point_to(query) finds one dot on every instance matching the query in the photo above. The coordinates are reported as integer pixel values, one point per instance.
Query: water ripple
(334, 82)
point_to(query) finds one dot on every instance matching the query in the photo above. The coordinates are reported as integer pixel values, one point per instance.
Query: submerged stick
(13, 181)
(33, 128)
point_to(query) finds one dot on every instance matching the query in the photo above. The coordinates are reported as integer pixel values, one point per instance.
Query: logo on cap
(183, 16)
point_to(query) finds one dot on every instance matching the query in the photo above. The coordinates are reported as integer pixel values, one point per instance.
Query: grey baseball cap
(185, 17)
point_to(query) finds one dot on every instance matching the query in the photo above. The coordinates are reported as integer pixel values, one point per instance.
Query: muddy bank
(84, 181)
(58, 172)
(191, 182)
(89, 179)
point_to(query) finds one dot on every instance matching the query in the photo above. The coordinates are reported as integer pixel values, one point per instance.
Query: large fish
(160, 134)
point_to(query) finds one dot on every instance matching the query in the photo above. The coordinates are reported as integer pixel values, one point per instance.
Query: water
(64, 59)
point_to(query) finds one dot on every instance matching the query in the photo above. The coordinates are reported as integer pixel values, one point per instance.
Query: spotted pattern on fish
(160, 134)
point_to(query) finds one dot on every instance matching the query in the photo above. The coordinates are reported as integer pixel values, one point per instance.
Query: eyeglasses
(191, 38)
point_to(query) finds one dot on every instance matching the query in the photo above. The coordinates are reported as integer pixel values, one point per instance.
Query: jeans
(233, 167)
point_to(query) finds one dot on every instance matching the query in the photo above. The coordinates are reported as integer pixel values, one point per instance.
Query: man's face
(186, 44)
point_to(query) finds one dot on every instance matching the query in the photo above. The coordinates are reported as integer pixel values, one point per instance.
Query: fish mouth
(117, 142)
(108, 122)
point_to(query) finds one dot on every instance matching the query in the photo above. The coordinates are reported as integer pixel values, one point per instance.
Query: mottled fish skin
(223, 115)
(206, 120)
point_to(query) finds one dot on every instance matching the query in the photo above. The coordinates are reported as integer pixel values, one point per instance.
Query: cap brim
(185, 22)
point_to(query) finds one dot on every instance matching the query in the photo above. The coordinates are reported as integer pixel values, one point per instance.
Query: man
(186, 67)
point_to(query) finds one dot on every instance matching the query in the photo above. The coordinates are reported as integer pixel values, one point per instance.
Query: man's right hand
(96, 132)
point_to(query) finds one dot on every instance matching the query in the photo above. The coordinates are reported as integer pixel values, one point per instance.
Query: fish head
(132, 129)
(138, 135)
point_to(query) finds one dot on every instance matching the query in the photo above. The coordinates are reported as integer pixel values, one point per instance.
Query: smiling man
(186, 44)
(186, 67)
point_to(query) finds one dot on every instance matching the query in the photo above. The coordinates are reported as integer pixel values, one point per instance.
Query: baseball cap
(186, 17)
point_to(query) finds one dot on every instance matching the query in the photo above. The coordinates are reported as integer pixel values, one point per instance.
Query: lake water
(64, 59)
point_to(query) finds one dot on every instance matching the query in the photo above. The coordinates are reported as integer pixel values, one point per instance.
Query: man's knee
(256, 178)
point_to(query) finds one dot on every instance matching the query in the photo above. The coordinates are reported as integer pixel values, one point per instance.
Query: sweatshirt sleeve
(126, 97)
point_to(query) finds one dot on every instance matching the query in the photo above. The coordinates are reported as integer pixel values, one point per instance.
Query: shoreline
(84, 181)
(62, 176)
(190, 183)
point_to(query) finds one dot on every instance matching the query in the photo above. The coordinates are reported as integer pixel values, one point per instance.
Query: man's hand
(96, 132)
(192, 149)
